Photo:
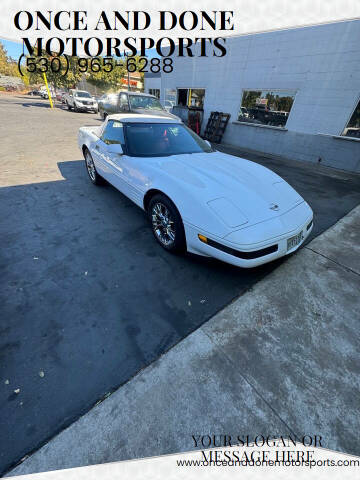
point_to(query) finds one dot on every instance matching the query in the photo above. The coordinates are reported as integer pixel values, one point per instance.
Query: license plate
(294, 241)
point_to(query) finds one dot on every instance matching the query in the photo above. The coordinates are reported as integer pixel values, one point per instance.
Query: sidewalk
(283, 358)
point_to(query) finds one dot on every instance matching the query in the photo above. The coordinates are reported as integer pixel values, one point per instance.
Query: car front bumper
(249, 255)
(87, 108)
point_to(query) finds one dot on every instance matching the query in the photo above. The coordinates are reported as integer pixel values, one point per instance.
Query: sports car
(197, 199)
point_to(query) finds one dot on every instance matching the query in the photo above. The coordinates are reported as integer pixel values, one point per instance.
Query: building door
(191, 97)
(182, 96)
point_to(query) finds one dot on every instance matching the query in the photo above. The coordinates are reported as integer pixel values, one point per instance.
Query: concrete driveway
(87, 296)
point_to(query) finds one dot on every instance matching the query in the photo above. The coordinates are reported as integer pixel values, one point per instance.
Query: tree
(105, 79)
(249, 98)
(56, 67)
(111, 80)
(7, 65)
(103, 72)
(285, 103)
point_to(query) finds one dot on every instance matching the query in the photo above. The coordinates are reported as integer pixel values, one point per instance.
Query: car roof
(137, 94)
(141, 94)
(129, 92)
(125, 117)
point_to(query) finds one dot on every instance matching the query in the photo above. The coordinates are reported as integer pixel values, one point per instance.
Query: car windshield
(82, 94)
(141, 101)
(162, 139)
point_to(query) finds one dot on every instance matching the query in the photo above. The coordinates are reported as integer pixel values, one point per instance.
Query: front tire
(166, 223)
(95, 178)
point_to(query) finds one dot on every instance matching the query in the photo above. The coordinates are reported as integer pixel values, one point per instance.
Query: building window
(191, 97)
(155, 92)
(266, 107)
(169, 99)
(352, 129)
(170, 95)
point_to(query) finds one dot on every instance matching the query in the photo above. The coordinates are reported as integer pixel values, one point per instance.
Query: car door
(113, 163)
(99, 154)
(123, 171)
(109, 104)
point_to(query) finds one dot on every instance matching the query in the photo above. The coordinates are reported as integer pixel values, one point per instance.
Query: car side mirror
(115, 148)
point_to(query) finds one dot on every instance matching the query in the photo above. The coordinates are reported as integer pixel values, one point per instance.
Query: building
(293, 93)
(134, 79)
(152, 83)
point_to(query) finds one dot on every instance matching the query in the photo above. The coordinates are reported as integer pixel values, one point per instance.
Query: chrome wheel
(163, 224)
(90, 166)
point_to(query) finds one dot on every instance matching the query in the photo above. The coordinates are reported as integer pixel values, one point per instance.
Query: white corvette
(197, 199)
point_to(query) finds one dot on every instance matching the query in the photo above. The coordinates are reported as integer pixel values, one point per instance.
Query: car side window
(113, 133)
(123, 101)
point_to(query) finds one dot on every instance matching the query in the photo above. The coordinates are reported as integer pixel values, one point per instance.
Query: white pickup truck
(80, 100)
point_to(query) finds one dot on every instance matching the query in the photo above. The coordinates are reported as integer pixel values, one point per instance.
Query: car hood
(239, 192)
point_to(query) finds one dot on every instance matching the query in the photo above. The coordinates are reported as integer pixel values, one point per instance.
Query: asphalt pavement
(88, 298)
(281, 360)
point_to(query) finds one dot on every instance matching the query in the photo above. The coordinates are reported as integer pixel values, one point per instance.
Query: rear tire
(166, 224)
(95, 178)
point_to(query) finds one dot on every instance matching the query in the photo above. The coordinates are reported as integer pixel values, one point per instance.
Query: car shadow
(87, 294)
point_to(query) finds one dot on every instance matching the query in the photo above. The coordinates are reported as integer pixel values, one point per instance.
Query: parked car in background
(44, 92)
(168, 105)
(352, 132)
(104, 103)
(80, 101)
(59, 95)
(33, 92)
(131, 102)
(244, 112)
(95, 99)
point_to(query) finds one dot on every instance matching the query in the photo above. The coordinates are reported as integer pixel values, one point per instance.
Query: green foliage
(111, 80)
(7, 65)
(104, 73)
(56, 67)
(275, 102)
(106, 80)
(249, 98)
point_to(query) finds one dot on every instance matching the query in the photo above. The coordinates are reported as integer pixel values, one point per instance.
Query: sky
(14, 49)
